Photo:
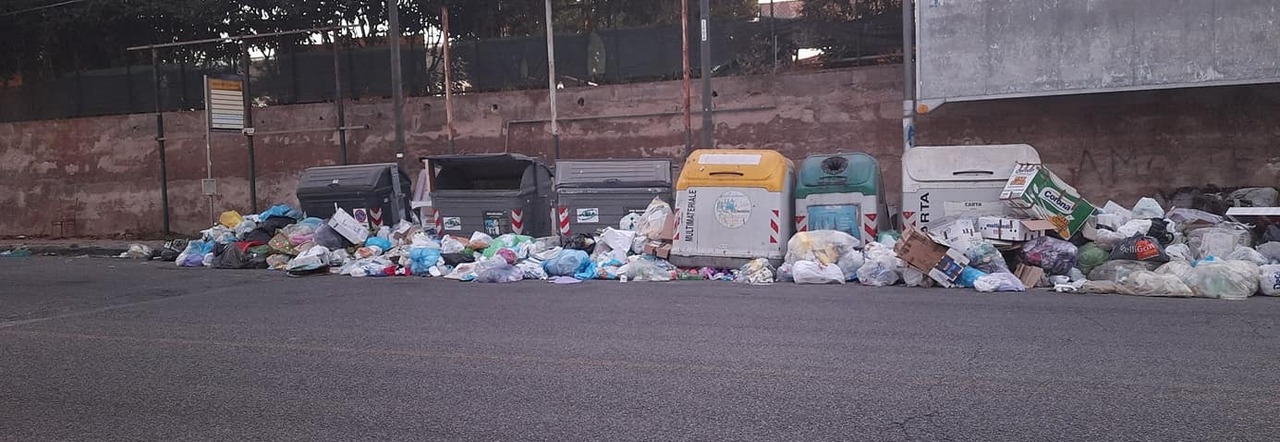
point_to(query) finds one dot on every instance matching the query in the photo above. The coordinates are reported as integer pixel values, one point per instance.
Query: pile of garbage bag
(1185, 249)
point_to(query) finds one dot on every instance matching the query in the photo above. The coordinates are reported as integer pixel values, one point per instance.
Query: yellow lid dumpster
(733, 206)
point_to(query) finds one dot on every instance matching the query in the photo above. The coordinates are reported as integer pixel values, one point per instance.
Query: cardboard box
(954, 230)
(659, 249)
(1009, 229)
(669, 228)
(1036, 192)
(922, 253)
(1030, 275)
(348, 227)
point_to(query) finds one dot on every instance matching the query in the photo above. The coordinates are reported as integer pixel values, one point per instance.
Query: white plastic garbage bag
(614, 244)
(880, 267)
(809, 272)
(1232, 280)
(1180, 269)
(1218, 241)
(999, 282)
(1148, 208)
(1243, 253)
(1135, 227)
(1179, 252)
(1269, 280)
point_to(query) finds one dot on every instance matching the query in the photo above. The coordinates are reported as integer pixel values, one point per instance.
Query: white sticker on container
(730, 159)
(452, 223)
(960, 208)
(591, 215)
(733, 208)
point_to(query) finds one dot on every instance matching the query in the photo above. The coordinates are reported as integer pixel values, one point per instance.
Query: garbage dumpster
(732, 206)
(594, 194)
(948, 181)
(841, 192)
(374, 194)
(491, 193)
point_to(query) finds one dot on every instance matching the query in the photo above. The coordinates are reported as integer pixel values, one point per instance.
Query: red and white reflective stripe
(562, 220)
(870, 228)
(676, 213)
(774, 226)
(802, 223)
(438, 221)
(517, 221)
(375, 216)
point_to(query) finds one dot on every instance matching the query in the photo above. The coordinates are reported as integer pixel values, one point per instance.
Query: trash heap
(1050, 237)
(282, 238)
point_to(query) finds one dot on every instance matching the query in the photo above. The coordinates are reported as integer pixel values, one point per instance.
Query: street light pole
(551, 80)
(708, 127)
(397, 84)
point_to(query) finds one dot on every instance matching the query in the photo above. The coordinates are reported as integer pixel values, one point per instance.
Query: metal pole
(248, 124)
(208, 142)
(908, 77)
(397, 86)
(448, 76)
(773, 35)
(551, 80)
(688, 82)
(708, 127)
(338, 101)
(164, 167)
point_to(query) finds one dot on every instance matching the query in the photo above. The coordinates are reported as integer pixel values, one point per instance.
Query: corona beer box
(1036, 192)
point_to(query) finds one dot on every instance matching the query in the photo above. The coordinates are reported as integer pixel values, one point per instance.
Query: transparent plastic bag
(1232, 280)
(985, 257)
(1116, 271)
(1180, 269)
(999, 282)
(1090, 256)
(532, 269)
(1247, 254)
(810, 272)
(654, 219)
(1217, 241)
(1179, 252)
(821, 246)
(1146, 283)
(1270, 250)
(499, 272)
(756, 272)
(1135, 227)
(449, 245)
(646, 270)
(1055, 256)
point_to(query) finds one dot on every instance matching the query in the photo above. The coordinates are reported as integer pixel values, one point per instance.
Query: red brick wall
(104, 171)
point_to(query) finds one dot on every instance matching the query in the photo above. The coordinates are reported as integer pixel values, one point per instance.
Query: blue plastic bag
(378, 242)
(421, 259)
(281, 210)
(969, 276)
(567, 263)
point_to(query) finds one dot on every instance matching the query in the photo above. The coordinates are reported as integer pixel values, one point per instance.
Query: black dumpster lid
(638, 172)
(354, 177)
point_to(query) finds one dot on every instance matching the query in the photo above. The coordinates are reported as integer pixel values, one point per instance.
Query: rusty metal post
(688, 82)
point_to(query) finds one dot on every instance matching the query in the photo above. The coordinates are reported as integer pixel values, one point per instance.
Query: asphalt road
(101, 349)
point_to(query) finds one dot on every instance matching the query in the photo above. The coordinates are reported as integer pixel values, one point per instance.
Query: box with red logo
(1036, 192)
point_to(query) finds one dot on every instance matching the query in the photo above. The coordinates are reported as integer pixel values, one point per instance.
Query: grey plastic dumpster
(594, 194)
(376, 194)
(491, 193)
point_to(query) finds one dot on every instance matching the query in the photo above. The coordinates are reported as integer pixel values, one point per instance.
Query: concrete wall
(104, 172)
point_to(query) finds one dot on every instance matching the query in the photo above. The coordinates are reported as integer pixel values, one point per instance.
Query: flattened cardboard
(1030, 275)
